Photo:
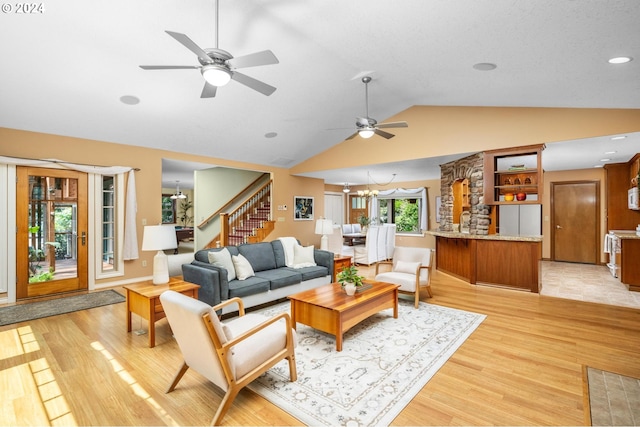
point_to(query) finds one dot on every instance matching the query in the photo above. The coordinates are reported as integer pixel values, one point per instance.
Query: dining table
(355, 238)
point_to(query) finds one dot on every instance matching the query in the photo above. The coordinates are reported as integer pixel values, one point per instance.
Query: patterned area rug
(384, 363)
(38, 310)
(614, 399)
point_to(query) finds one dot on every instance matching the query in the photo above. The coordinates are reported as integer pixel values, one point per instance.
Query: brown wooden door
(51, 240)
(359, 206)
(575, 221)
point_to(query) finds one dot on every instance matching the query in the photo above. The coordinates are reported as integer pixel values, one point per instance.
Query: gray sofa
(273, 279)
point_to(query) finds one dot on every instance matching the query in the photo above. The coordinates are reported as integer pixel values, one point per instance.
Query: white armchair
(229, 354)
(411, 269)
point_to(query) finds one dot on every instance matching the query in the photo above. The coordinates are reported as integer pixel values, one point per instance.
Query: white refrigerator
(520, 220)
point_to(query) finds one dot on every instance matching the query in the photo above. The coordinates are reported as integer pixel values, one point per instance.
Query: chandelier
(178, 194)
(367, 192)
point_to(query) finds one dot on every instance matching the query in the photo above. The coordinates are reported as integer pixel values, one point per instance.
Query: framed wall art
(303, 208)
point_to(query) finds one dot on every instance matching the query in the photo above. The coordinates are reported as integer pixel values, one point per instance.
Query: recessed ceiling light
(605, 160)
(615, 138)
(610, 152)
(485, 66)
(620, 60)
(597, 166)
(129, 99)
(270, 134)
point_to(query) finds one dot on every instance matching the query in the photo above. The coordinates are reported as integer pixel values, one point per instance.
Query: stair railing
(237, 225)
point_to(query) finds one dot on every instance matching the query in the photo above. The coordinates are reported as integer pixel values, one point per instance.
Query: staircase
(254, 227)
(249, 223)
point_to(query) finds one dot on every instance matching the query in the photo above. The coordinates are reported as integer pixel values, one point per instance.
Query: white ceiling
(64, 70)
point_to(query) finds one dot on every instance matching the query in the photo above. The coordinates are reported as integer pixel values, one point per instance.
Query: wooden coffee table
(329, 309)
(143, 299)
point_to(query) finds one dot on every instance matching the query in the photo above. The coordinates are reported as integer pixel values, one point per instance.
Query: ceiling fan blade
(361, 121)
(265, 57)
(188, 43)
(383, 134)
(208, 91)
(393, 125)
(254, 84)
(168, 67)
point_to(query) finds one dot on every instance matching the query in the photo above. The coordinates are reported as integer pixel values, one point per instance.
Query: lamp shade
(324, 226)
(159, 238)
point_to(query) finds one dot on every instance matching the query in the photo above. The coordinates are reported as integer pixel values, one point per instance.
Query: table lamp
(324, 227)
(158, 238)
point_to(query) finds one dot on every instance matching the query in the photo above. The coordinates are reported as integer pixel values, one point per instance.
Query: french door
(52, 241)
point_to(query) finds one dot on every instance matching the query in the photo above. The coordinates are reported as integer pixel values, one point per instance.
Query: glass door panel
(52, 236)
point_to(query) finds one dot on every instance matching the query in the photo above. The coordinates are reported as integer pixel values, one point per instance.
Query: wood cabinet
(634, 170)
(513, 264)
(339, 264)
(513, 171)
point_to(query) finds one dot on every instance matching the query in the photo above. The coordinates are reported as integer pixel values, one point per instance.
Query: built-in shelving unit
(512, 173)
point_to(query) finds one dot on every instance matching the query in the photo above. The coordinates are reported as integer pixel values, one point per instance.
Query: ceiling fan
(218, 66)
(366, 126)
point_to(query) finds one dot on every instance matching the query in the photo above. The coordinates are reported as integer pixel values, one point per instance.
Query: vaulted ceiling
(72, 67)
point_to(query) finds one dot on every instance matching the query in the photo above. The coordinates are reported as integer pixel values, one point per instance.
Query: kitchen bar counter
(453, 235)
(512, 262)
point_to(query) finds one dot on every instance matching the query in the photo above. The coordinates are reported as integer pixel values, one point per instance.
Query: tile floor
(585, 282)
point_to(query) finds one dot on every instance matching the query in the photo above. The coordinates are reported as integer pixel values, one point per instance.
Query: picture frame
(303, 208)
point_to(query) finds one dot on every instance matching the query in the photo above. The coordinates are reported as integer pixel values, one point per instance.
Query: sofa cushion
(243, 267)
(281, 277)
(203, 254)
(303, 256)
(309, 273)
(406, 267)
(222, 259)
(250, 286)
(279, 253)
(260, 255)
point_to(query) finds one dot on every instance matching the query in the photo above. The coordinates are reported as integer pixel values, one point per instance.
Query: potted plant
(350, 279)
(364, 222)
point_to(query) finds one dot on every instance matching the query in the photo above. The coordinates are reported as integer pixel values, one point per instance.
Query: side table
(143, 299)
(340, 262)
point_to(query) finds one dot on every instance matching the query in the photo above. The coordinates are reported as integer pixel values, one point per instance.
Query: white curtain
(130, 233)
(403, 193)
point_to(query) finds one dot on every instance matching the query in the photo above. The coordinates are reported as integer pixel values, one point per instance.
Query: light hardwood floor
(522, 366)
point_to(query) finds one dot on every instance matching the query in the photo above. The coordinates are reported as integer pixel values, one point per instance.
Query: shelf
(516, 172)
(499, 179)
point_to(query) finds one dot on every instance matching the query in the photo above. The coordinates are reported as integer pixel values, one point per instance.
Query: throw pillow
(222, 259)
(406, 267)
(243, 267)
(303, 256)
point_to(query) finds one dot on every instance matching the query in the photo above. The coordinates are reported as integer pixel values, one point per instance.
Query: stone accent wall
(471, 168)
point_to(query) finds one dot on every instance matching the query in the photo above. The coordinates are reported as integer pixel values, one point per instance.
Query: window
(168, 210)
(109, 225)
(404, 208)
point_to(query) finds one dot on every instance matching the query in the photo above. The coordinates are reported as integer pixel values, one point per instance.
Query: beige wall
(34, 145)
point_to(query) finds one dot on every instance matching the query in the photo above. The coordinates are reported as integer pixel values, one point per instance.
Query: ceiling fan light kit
(366, 133)
(216, 75)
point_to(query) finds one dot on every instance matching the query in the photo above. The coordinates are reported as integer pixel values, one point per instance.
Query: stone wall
(471, 168)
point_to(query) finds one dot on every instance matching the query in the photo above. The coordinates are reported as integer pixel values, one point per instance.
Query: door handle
(557, 226)
(83, 237)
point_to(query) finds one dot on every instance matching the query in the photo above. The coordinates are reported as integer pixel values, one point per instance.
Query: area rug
(38, 310)
(614, 400)
(383, 364)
